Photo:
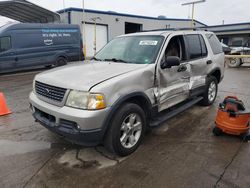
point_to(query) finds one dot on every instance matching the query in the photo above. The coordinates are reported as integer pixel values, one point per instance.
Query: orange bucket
(232, 117)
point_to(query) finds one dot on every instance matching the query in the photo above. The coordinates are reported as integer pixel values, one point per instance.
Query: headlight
(85, 100)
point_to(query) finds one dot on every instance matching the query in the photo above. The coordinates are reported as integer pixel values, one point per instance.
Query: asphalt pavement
(181, 153)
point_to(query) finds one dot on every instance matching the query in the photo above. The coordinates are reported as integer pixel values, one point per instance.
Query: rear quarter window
(196, 46)
(214, 43)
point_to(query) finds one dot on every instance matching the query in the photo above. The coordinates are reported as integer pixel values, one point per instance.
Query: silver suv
(136, 81)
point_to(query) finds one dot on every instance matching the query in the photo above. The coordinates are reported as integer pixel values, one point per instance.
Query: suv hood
(83, 76)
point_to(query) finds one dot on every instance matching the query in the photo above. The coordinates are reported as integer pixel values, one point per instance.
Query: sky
(212, 12)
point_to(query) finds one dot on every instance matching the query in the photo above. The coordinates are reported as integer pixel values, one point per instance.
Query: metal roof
(25, 11)
(123, 14)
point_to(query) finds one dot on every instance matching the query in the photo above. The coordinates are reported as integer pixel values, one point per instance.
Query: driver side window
(5, 44)
(176, 48)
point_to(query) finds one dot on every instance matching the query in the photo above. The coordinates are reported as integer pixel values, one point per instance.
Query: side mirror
(170, 62)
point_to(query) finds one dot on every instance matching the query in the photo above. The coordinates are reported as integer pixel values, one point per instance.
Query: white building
(110, 24)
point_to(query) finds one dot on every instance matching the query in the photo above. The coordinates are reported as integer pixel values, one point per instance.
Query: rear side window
(214, 43)
(196, 46)
(5, 44)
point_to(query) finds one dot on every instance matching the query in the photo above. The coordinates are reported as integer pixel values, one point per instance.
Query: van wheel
(210, 92)
(127, 130)
(61, 61)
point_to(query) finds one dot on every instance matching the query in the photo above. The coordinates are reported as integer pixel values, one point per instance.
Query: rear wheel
(127, 130)
(210, 92)
(234, 62)
(61, 61)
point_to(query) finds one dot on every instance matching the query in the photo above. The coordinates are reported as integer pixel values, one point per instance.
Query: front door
(7, 55)
(173, 83)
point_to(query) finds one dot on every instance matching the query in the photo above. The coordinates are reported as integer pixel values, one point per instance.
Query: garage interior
(132, 27)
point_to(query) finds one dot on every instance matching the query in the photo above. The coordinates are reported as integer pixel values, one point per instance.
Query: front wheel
(127, 130)
(211, 90)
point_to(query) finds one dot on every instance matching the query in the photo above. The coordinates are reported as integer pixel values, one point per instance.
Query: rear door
(7, 54)
(173, 86)
(197, 57)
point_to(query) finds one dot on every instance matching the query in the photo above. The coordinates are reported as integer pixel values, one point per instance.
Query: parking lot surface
(181, 153)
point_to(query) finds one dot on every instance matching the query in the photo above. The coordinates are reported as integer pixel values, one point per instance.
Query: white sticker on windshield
(148, 43)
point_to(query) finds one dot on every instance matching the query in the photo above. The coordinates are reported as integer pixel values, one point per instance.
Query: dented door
(173, 85)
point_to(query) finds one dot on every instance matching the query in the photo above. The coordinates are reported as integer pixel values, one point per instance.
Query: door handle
(182, 68)
(209, 62)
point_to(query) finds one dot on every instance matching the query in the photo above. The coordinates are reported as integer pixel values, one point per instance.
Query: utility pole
(64, 10)
(84, 30)
(94, 19)
(193, 3)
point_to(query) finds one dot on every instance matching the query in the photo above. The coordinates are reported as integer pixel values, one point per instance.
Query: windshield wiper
(116, 60)
(94, 58)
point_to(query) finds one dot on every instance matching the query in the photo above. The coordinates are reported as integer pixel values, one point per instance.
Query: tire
(217, 131)
(122, 138)
(60, 61)
(211, 91)
(234, 62)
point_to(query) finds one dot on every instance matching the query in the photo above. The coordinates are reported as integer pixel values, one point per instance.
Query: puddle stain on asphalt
(8, 147)
(87, 158)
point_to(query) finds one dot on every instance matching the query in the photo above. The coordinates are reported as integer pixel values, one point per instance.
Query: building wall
(116, 23)
(232, 34)
(235, 39)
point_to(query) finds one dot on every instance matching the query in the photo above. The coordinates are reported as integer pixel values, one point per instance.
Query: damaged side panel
(173, 86)
(132, 82)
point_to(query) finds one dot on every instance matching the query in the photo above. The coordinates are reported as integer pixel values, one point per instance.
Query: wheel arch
(138, 98)
(216, 73)
(61, 54)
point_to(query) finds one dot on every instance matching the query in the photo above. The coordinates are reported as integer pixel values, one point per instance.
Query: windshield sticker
(148, 43)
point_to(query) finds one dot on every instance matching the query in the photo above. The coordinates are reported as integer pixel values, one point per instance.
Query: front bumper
(82, 127)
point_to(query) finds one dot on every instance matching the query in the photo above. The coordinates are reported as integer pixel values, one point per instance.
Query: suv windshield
(132, 49)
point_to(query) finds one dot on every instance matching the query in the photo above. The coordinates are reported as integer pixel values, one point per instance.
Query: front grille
(51, 92)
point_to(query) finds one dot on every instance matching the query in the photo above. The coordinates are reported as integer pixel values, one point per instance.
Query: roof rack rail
(176, 29)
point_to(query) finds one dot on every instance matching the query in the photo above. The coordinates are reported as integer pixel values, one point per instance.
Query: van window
(5, 44)
(214, 43)
(196, 46)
